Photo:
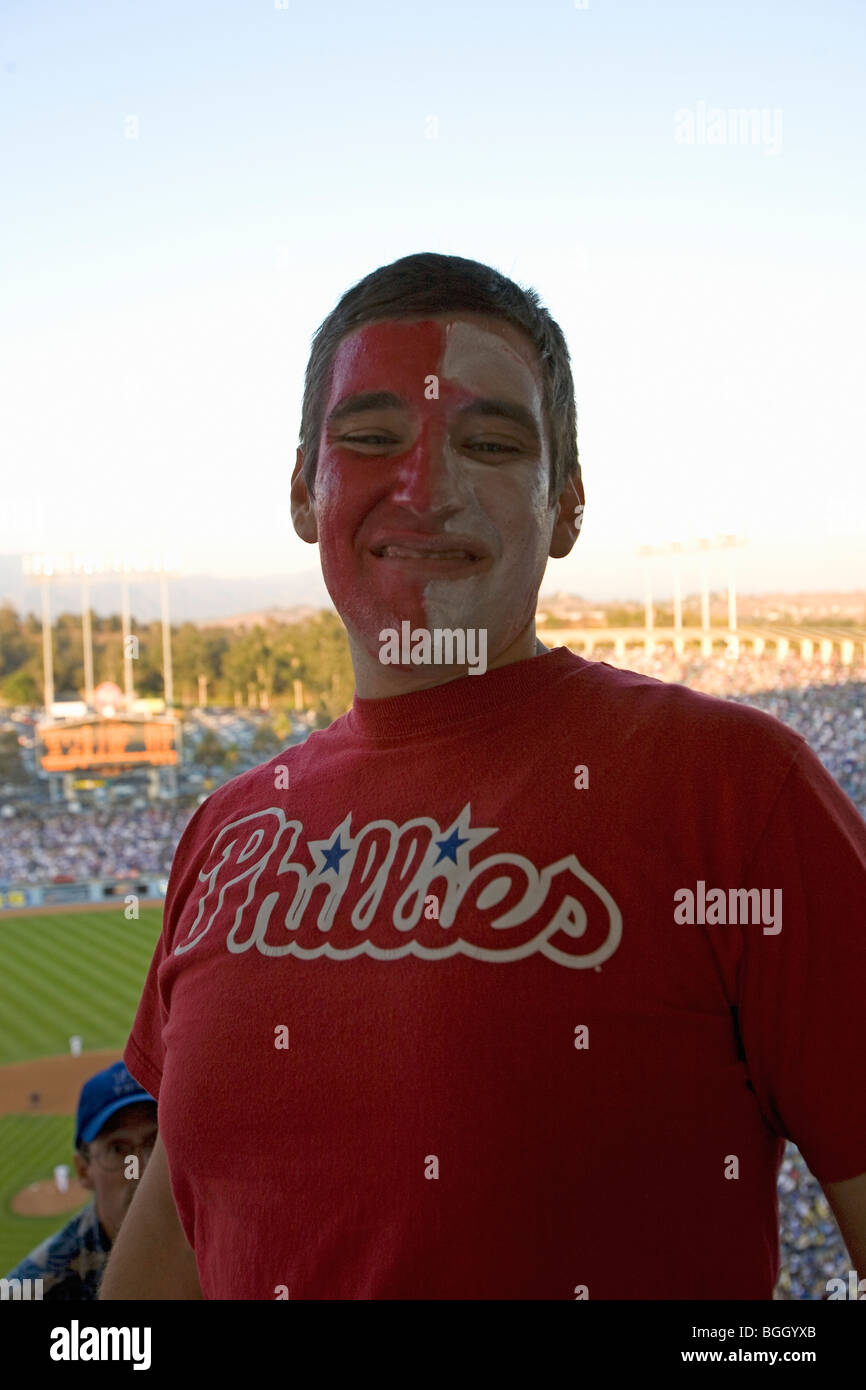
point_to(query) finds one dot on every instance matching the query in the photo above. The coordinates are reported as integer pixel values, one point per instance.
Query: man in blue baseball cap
(115, 1131)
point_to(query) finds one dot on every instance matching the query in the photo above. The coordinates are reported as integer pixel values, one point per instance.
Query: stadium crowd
(832, 720)
(826, 704)
(50, 846)
(744, 674)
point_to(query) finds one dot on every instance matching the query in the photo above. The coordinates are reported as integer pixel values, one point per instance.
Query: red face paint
(397, 475)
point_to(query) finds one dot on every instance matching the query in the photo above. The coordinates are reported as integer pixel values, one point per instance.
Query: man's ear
(303, 506)
(569, 518)
(82, 1172)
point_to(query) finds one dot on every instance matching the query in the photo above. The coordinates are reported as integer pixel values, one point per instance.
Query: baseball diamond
(68, 972)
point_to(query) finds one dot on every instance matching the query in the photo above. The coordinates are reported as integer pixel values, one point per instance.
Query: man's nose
(429, 476)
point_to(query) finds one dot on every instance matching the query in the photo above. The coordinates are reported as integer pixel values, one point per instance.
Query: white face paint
(507, 505)
(437, 463)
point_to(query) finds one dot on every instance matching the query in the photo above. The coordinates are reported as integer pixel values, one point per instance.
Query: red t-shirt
(427, 1019)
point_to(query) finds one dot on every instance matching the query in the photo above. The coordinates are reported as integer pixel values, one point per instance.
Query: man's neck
(376, 681)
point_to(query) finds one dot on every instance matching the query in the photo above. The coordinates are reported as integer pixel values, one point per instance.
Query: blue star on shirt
(448, 848)
(332, 856)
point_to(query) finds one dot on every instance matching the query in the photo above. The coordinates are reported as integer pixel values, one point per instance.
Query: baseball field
(64, 973)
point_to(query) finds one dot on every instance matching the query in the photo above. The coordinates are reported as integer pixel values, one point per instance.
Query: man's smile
(442, 553)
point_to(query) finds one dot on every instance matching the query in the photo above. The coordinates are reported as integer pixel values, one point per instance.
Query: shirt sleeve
(144, 1054)
(802, 987)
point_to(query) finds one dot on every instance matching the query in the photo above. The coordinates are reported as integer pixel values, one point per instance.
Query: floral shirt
(70, 1264)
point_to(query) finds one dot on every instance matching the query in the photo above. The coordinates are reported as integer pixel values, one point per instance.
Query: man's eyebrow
(366, 400)
(124, 1135)
(387, 400)
(505, 410)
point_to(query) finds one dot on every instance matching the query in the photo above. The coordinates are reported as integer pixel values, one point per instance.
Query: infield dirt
(56, 1080)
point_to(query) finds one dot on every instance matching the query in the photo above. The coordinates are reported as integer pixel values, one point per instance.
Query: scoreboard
(111, 745)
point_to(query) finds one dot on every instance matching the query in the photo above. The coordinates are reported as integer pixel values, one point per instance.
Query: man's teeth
(405, 552)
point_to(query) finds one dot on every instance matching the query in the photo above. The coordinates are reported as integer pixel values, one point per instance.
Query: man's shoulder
(247, 787)
(647, 703)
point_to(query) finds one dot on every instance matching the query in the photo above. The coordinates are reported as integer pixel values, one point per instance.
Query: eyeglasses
(112, 1157)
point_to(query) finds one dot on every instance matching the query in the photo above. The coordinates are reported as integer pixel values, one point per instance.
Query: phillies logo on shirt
(364, 893)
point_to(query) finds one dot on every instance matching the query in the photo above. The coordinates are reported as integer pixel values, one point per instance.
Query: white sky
(160, 292)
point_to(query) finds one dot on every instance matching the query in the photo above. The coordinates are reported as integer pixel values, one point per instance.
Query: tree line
(265, 660)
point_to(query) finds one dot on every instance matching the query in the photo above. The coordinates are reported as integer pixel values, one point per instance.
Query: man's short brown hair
(427, 284)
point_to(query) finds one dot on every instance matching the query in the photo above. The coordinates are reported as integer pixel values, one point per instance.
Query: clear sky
(187, 189)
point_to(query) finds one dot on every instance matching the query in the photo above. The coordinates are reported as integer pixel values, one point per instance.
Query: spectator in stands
(116, 1123)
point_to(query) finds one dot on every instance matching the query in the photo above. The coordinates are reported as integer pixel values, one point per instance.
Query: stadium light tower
(86, 629)
(43, 569)
(706, 639)
(40, 568)
(674, 549)
(89, 568)
(728, 543)
(126, 632)
(648, 610)
(702, 546)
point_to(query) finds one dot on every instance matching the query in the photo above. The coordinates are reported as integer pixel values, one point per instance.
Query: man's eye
(491, 444)
(367, 439)
(385, 441)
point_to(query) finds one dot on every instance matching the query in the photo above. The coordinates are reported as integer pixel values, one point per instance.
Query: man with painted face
(431, 501)
(512, 982)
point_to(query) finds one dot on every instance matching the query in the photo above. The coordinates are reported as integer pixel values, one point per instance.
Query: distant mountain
(194, 598)
(236, 602)
(296, 614)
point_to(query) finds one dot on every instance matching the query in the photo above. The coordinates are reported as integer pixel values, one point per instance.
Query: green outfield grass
(60, 974)
(66, 973)
(30, 1146)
